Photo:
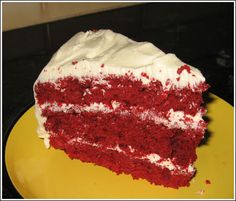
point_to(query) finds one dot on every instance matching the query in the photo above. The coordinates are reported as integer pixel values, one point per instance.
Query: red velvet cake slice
(124, 105)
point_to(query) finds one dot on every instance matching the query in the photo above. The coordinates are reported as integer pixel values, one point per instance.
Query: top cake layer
(104, 52)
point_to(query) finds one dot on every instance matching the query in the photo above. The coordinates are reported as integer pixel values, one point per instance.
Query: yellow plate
(40, 173)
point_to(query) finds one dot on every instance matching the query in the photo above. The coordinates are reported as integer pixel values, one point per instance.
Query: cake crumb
(207, 181)
(74, 62)
(182, 68)
(143, 74)
(200, 192)
(102, 65)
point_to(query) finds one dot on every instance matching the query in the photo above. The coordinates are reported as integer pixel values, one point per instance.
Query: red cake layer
(124, 90)
(114, 129)
(111, 129)
(121, 163)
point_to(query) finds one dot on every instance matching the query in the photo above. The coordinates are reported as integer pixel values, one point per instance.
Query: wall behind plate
(18, 15)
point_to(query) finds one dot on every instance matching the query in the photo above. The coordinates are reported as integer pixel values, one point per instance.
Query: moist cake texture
(124, 105)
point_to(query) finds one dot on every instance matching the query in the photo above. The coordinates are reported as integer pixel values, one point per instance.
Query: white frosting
(174, 119)
(104, 52)
(155, 158)
(116, 148)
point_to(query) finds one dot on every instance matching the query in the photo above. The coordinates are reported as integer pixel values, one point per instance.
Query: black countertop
(201, 34)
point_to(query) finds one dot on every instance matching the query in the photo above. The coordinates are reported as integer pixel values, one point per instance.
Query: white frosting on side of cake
(93, 107)
(105, 52)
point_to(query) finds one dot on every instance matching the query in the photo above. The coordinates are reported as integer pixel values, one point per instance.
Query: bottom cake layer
(119, 162)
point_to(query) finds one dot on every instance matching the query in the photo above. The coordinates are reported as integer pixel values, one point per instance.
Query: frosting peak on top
(105, 46)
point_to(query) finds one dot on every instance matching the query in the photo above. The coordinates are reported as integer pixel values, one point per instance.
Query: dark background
(200, 34)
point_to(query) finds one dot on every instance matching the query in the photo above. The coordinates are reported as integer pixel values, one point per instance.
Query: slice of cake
(124, 105)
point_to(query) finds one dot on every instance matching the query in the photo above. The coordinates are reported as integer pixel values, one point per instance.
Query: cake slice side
(123, 105)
